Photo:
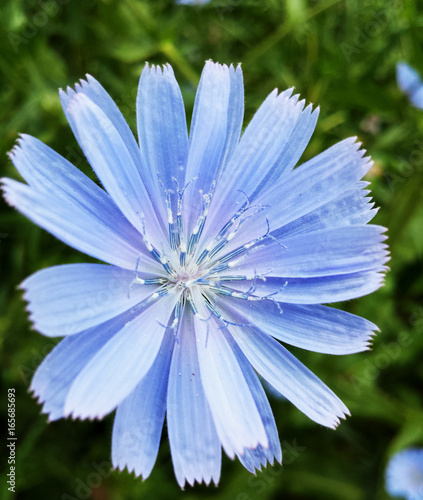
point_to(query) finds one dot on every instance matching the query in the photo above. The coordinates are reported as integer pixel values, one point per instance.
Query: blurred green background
(338, 54)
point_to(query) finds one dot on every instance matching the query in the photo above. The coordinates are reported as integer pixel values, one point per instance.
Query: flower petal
(58, 192)
(351, 208)
(312, 185)
(139, 418)
(270, 146)
(194, 444)
(114, 372)
(254, 458)
(237, 419)
(162, 130)
(64, 300)
(299, 138)
(215, 128)
(235, 113)
(53, 378)
(114, 165)
(340, 250)
(320, 290)
(286, 374)
(99, 96)
(314, 327)
(323, 193)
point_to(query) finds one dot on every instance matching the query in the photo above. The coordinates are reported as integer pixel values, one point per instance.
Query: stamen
(198, 228)
(165, 263)
(176, 319)
(152, 281)
(152, 298)
(179, 212)
(191, 303)
(240, 251)
(218, 269)
(241, 295)
(223, 278)
(217, 248)
(217, 244)
(270, 236)
(211, 308)
(221, 240)
(159, 257)
(214, 311)
(171, 225)
(235, 253)
(141, 281)
(203, 255)
(182, 252)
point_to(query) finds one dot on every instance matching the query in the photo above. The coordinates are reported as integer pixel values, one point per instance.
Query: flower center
(187, 276)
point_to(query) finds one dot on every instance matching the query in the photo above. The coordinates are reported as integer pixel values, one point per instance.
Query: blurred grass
(338, 54)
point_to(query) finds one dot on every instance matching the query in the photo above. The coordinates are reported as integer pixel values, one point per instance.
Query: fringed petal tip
(6, 186)
(23, 286)
(159, 70)
(89, 80)
(21, 142)
(220, 73)
(341, 413)
(380, 278)
(15, 150)
(263, 465)
(210, 65)
(19, 150)
(257, 459)
(287, 98)
(345, 412)
(79, 415)
(3, 187)
(337, 421)
(386, 258)
(123, 466)
(255, 469)
(356, 148)
(4, 181)
(312, 112)
(36, 394)
(301, 105)
(369, 338)
(67, 95)
(183, 482)
(34, 325)
(51, 413)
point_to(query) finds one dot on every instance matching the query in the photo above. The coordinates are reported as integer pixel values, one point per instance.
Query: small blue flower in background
(216, 250)
(410, 83)
(404, 474)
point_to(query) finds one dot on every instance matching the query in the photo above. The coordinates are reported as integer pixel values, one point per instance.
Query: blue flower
(404, 474)
(410, 83)
(217, 249)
